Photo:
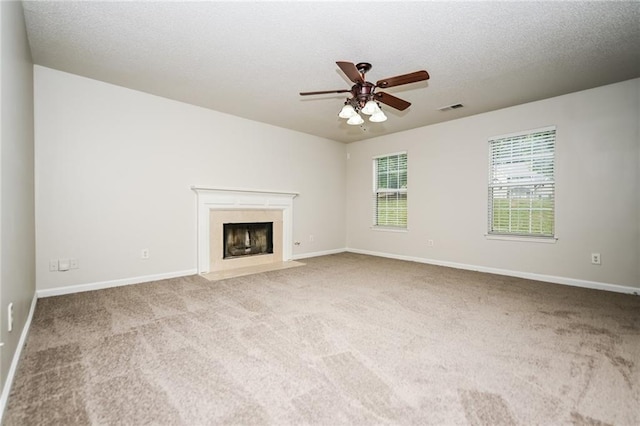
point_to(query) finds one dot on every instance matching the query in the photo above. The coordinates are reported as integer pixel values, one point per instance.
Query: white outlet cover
(10, 317)
(63, 265)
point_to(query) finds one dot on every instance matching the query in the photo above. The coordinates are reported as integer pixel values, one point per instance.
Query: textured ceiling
(251, 59)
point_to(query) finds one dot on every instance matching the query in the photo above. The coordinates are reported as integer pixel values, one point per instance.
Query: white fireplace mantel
(241, 199)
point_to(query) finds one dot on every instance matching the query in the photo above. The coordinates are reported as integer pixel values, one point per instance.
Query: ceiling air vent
(450, 107)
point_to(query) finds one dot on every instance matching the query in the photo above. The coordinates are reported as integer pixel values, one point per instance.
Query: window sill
(548, 240)
(389, 229)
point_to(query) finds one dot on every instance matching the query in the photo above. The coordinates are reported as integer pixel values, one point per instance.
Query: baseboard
(6, 390)
(58, 291)
(318, 253)
(527, 275)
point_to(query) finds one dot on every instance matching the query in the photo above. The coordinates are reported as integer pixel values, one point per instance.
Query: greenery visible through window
(390, 190)
(521, 184)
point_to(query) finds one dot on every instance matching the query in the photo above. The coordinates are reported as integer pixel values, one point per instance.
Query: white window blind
(390, 190)
(522, 184)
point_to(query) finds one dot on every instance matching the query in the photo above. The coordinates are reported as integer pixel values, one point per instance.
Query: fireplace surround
(217, 206)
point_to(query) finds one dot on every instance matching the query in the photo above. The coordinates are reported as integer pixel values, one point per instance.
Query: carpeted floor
(346, 339)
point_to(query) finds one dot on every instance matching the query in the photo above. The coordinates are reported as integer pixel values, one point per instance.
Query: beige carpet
(346, 339)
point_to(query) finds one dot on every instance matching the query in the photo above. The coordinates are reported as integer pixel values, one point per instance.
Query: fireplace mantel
(241, 199)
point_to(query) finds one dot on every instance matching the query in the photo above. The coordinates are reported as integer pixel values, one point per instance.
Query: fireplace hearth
(247, 239)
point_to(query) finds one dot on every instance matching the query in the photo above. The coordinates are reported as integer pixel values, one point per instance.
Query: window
(390, 190)
(521, 184)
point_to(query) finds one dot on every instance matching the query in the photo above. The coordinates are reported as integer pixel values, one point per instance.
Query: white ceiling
(251, 59)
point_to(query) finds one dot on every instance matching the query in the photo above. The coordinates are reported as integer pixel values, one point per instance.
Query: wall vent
(450, 107)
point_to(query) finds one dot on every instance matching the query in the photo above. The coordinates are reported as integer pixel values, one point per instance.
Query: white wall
(17, 239)
(597, 184)
(114, 169)
(114, 166)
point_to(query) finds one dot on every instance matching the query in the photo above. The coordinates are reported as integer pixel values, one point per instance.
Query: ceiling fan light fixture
(347, 112)
(370, 108)
(378, 117)
(356, 120)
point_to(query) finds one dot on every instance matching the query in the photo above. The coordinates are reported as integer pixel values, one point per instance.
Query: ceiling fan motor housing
(362, 92)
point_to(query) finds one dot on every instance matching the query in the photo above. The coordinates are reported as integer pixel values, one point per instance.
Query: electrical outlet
(63, 265)
(73, 264)
(595, 258)
(10, 317)
(144, 254)
(430, 243)
(53, 266)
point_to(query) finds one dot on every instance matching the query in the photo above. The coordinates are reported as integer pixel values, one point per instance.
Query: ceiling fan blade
(350, 71)
(403, 79)
(322, 92)
(392, 101)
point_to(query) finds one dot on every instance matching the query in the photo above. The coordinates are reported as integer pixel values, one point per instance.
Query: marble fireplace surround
(215, 204)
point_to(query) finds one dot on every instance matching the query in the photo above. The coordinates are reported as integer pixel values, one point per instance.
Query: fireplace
(247, 239)
(218, 206)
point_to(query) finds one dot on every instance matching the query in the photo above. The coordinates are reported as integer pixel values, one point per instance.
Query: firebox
(247, 239)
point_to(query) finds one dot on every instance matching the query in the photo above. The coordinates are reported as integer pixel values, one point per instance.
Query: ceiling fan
(364, 98)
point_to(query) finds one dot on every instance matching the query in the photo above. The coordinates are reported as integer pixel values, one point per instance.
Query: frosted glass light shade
(378, 117)
(347, 112)
(370, 108)
(355, 120)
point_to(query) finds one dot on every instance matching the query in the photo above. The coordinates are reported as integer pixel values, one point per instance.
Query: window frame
(542, 181)
(400, 227)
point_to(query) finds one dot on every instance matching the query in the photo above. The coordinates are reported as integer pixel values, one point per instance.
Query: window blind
(522, 184)
(390, 190)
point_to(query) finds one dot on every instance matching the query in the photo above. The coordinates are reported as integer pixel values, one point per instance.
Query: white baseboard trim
(58, 291)
(318, 253)
(16, 358)
(527, 275)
